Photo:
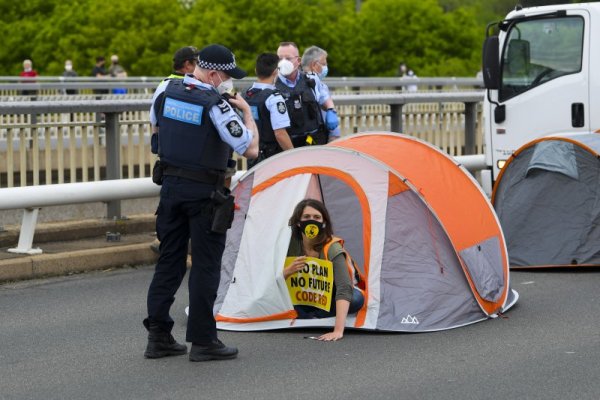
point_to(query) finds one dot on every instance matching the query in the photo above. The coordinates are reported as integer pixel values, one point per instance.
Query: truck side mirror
(491, 62)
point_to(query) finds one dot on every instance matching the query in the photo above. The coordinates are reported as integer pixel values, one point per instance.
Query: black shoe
(212, 351)
(162, 344)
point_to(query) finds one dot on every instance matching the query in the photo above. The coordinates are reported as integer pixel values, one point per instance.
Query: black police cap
(220, 58)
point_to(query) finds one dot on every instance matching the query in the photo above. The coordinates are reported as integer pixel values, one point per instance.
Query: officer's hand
(238, 102)
(331, 119)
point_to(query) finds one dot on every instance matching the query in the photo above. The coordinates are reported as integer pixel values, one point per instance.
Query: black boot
(161, 343)
(215, 350)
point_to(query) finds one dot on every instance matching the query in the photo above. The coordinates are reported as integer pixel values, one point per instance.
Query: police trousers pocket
(223, 209)
(157, 173)
(154, 143)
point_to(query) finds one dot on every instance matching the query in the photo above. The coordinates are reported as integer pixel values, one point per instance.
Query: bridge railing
(74, 142)
(46, 142)
(50, 88)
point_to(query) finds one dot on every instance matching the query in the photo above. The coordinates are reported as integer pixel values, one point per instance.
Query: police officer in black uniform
(301, 97)
(198, 127)
(268, 109)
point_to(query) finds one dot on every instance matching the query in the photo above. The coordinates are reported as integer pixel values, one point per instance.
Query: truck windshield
(539, 50)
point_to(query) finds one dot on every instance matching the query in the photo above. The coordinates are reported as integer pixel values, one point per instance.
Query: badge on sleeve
(281, 107)
(224, 107)
(234, 128)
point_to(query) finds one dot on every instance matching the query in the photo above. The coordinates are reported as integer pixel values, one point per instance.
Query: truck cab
(538, 69)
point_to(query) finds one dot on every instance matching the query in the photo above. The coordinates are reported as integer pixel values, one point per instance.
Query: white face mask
(225, 86)
(68, 67)
(285, 67)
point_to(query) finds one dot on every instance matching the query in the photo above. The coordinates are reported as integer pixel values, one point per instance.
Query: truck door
(544, 83)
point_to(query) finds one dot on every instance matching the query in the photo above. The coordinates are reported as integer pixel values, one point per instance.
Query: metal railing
(12, 88)
(114, 121)
(65, 141)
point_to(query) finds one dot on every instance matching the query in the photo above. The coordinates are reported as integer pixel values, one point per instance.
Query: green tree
(430, 41)
(434, 37)
(251, 27)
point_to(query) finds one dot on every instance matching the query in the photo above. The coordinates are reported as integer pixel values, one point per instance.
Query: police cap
(220, 58)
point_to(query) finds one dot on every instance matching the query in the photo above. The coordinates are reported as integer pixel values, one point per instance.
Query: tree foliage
(434, 37)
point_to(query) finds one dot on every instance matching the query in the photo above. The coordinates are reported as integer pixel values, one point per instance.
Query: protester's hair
(313, 53)
(99, 58)
(325, 235)
(283, 44)
(266, 63)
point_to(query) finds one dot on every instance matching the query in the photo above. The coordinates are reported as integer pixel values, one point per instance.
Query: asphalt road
(81, 337)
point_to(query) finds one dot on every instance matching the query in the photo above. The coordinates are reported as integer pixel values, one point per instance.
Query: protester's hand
(331, 119)
(295, 266)
(331, 336)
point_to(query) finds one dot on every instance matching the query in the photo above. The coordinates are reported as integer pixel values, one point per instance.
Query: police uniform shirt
(323, 92)
(227, 122)
(321, 89)
(292, 84)
(276, 105)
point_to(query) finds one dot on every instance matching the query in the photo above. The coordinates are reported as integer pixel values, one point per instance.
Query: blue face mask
(323, 72)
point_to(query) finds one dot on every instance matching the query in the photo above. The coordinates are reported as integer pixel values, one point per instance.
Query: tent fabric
(555, 156)
(398, 204)
(547, 200)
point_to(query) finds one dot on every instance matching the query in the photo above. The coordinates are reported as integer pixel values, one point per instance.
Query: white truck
(541, 69)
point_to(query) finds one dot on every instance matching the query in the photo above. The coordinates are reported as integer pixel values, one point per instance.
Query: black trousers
(185, 212)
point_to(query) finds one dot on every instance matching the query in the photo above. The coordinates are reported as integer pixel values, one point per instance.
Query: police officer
(314, 63)
(184, 62)
(197, 129)
(303, 100)
(268, 109)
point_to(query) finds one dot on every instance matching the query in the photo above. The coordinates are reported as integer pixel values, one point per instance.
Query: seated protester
(314, 63)
(268, 109)
(312, 236)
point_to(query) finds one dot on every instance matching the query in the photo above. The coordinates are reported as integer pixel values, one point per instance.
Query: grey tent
(547, 198)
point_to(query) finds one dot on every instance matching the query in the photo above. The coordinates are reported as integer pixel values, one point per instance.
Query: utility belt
(310, 139)
(223, 203)
(210, 177)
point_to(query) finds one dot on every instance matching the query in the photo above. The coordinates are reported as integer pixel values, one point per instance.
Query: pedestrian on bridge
(29, 73)
(197, 128)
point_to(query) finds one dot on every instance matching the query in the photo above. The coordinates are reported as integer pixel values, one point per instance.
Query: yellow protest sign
(312, 285)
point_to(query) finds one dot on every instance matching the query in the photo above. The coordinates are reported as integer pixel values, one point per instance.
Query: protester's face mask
(311, 228)
(68, 67)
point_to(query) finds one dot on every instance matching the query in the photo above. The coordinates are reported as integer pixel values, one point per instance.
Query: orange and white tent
(417, 223)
